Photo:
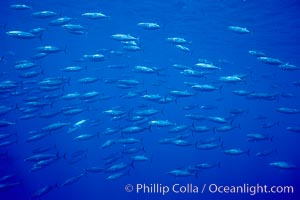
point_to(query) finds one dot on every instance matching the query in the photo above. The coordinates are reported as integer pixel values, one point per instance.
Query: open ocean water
(174, 99)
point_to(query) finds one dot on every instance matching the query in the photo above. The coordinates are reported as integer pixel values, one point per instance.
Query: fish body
(270, 61)
(85, 137)
(94, 15)
(180, 173)
(235, 152)
(123, 37)
(283, 165)
(288, 110)
(43, 14)
(60, 21)
(148, 25)
(238, 29)
(20, 7)
(21, 34)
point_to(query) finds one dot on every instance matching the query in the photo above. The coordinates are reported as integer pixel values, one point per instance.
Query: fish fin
(248, 152)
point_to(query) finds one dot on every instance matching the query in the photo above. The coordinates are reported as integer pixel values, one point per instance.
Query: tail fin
(132, 164)
(248, 152)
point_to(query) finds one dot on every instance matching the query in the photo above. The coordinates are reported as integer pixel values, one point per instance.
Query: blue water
(274, 30)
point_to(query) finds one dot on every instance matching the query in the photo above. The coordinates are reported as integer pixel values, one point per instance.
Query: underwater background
(148, 92)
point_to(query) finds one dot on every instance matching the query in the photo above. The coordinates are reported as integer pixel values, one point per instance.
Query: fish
(94, 15)
(38, 31)
(140, 158)
(200, 129)
(256, 53)
(220, 120)
(160, 123)
(116, 175)
(207, 66)
(55, 126)
(7, 178)
(283, 165)
(241, 92)
(76, 156)
(94, 57)
(254, 137)
(80, 123)
(43, 164)
(114, 112)
(131, 48)
(287, 110)
(21, 34)
(132, 150)
(208, 165)
(49, 114)
(108, 143)
(74, 28)
(60, 21)
(225, 128)
(265, 153)
(208, 145)
(8, 143)
(288, 67)
(7, 186)
(4, 136)
(238, 29)
(89, 95)
(49, 49)
(129, 141)
(177, 40)
(145, 69)
(20, 7)
(4, 109)
(205, 87)
(72, 69)
(4, 123)
(235, 152)
(192, 73)
(181, 93)
(43, 191)
(149, 25)
(44, 14)
(110, 131)
(231, 79)
(269, 60)
(181, 173)
(71, 96)
(39, 56)
(295, 129)
(296, 83)
(183, 48)
(195, 117)
(118, 167)
(133, 129)
(36, 137)
(85, 137)
(263, 95)
(178, 129)
(31, 74)
(123, 37)
(180, 142)
(72, 180)
(40, 157)
(180, 67)
(87, 80)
